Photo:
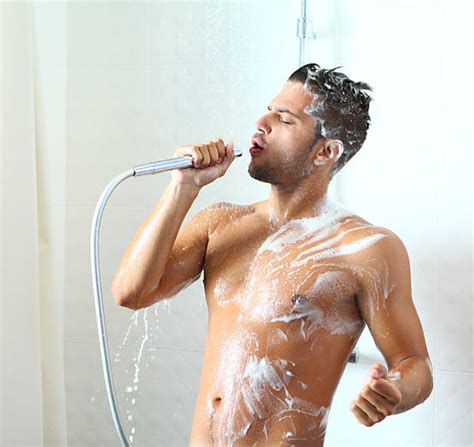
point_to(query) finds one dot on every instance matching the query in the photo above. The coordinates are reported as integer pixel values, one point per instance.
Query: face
(286, 134)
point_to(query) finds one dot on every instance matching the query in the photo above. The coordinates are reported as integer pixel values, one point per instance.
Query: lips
(255, 150)
(257, 143)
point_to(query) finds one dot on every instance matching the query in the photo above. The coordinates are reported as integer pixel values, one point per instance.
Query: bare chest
(266, 277)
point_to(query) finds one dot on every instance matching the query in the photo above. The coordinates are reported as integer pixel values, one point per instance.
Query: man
(290, 282)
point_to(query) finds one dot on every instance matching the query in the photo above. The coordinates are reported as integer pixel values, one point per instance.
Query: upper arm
(187, 257)
(385, 299)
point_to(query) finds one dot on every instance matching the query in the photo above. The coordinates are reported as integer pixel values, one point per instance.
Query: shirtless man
(290, 282)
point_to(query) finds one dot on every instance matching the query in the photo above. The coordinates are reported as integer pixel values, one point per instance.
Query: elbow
(129, 300)
(430, 386)
(430, 376)
(122, 298)
(427, 392)
(429, 381)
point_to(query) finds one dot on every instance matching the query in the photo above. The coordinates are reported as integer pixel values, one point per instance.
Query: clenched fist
(211, 161)
(378, 398)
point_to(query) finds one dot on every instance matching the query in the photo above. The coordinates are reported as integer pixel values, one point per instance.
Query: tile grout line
(447, 371)
(437, 280)
(147, 80)
(86, 343)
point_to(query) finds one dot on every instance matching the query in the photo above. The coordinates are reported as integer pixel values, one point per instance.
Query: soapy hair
(340, 108)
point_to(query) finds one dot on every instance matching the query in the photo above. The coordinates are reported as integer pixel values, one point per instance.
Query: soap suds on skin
(299, 228)
(317, 318)
(253, 389)
(344, 250)
(395, 376)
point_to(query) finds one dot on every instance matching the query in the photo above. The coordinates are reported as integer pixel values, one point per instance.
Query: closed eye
(285, 122)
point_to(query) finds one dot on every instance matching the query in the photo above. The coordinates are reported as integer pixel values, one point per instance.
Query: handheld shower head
(169, 164)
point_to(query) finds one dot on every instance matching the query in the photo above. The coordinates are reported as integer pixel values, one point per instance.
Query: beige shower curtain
(32, 410)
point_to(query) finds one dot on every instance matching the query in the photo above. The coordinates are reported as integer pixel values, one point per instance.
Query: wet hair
(340, 108)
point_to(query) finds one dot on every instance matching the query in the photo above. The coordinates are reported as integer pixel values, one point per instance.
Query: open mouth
(255, 149)
(256, 144)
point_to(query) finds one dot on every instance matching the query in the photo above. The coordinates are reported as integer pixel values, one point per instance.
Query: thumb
(230, 145)
(378, 371)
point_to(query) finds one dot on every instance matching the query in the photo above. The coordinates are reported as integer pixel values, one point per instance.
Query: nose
(263, 124)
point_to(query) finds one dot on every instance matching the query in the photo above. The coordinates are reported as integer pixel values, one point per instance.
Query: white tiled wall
(145, 77)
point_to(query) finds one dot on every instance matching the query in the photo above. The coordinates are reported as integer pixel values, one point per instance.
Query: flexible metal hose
(99, 306)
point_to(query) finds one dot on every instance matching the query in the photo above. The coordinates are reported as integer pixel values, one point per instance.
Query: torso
(283, 321)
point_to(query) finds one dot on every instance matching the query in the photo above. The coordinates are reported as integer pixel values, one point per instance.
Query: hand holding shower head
(169, 164)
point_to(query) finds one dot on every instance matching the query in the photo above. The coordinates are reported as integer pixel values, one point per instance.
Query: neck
(284, 205)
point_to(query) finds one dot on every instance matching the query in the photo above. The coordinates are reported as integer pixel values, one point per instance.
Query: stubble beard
(282, 171)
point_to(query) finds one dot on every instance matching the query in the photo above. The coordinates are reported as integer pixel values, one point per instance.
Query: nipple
(298, 299)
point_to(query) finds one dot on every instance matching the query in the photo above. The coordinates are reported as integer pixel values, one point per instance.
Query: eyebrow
(283, 110)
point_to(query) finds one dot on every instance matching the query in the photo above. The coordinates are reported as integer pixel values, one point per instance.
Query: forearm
(415, 380)
(146, 257)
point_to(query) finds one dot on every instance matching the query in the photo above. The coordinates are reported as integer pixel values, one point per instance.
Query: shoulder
(227, 209)
(383, 242)
(377, 258)
(366, 244)
(357, 230)
(378, 252)
(222, 213)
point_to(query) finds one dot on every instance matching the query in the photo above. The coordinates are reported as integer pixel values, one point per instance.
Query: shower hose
(146, 169)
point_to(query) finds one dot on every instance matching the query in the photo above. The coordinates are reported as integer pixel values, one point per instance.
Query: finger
(382, 405)
(230, 150)
(197, 156)
(229, 157)
(221, 148)
(387, 390)
(213, 152)
(206, 159)
(361, 415)
(369, 409)
(378, 371)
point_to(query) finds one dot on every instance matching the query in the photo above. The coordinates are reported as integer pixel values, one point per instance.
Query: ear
(330, 150)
